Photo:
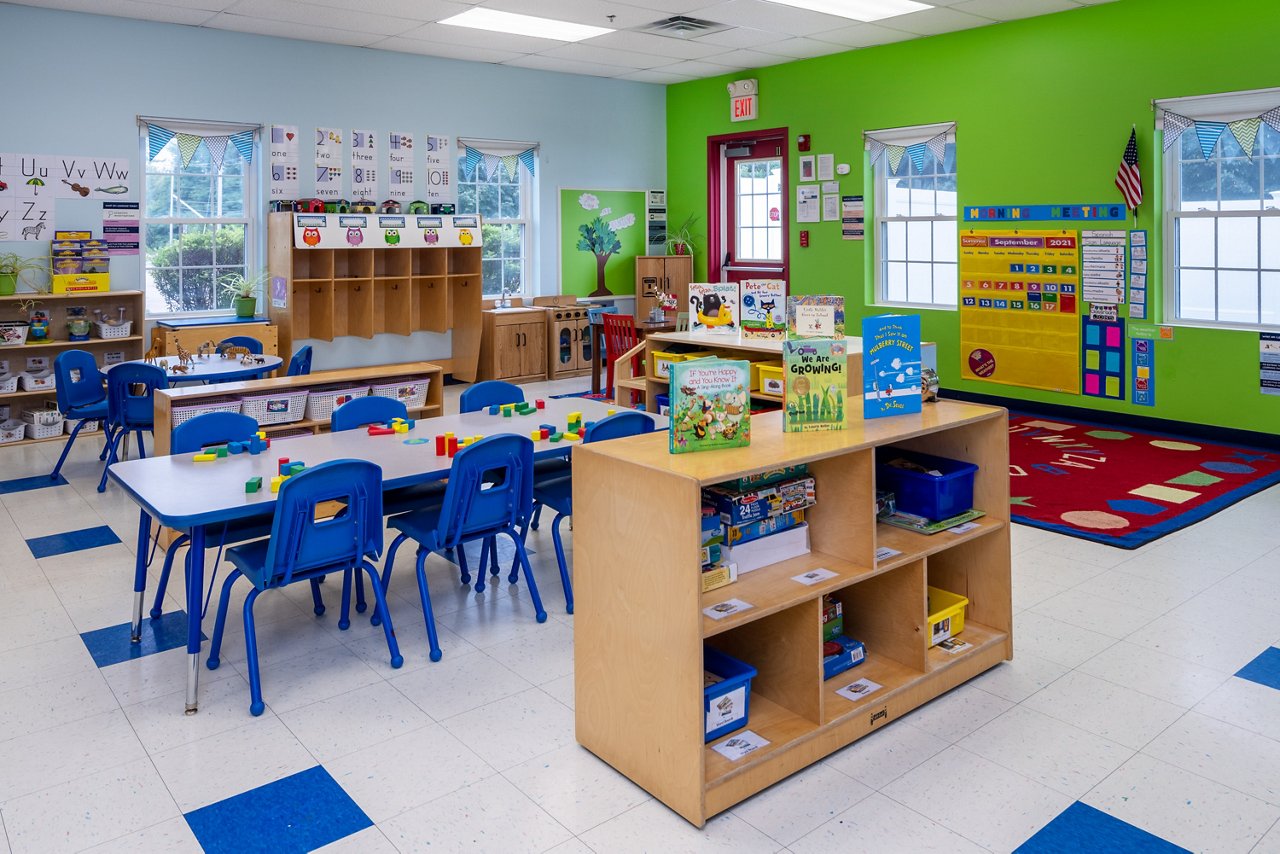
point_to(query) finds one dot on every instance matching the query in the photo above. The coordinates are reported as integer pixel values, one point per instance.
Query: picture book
(815, 380)
(709, 405)
(713, 307)
(815, 316)
(890, 365)
(764, 308)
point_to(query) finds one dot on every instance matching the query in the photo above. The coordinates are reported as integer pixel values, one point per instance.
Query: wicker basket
(106, 330)
(8, 383)
(290, 434)
(38, 381)
(283, 407)
(12, 431)
(42, 423)
(412, 392)
(321, 401)
(180, 414)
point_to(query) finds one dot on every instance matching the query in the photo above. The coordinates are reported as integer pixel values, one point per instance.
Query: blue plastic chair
(558, 494)
(253, 345)
(302, 548)
(300, 364)
(482, 395)
(130, 408)
(363, 411)
(81, 396)
(490, 493)
(190, 437)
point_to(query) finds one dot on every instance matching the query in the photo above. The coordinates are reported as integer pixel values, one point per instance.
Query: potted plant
(14, 267)
(680, 240)
(243, 291)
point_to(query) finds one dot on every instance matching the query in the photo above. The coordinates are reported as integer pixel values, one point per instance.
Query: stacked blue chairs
(253, 345)
(302, 548)
(489, 494)
(558, 494)
(300, 364)
(131, 388)
(81, 396)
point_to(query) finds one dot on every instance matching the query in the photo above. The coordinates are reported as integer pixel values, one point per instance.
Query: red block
(441, 447)
(540, 404)
(546, 434)
(381, 431)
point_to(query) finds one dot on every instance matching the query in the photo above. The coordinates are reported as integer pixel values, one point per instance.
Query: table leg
(140, 575)
(195, 590)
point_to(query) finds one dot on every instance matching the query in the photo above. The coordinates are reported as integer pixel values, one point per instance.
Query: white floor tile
(32, 627)
(55, 659)
(493, 623)
(162, 725)
(575, 788)
(403, 772)
(539, 656)
(1084, 608)
(371, 840)
(881, 824)
(1238, 758)
(1184, 808)
(1153, 673)
(1246, 704)
(161, 674)
(1269, 844)
(800, 804)
(354, 721)
(1018, 679)
(982, 801)
(562, 689)
(651, 827)
(489, 816)
(172, 837)
(1031, 587)
(106, 805)
(1112, 711)
(1116, 585)
(957, 713)
(68, 752)
(1056, 641)
(50, 704)
(883, 756)
(1047, 562)
(1064, 758)
(458, 684)
(1225, 651)
(508, 732)
(320, 675)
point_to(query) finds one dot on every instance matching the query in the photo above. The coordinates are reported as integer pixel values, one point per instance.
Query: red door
(748, 204)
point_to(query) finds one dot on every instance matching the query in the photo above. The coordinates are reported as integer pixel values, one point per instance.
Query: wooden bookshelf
(641, 630)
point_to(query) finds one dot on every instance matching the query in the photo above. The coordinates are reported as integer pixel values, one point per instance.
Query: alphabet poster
(1019, 308)
(284, 161)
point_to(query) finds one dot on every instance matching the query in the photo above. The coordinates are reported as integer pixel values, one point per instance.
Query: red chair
(619, 337)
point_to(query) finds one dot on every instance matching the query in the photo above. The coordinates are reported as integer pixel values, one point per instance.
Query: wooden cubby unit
(640, 627)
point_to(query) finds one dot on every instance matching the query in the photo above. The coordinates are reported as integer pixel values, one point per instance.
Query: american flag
(1128, 178)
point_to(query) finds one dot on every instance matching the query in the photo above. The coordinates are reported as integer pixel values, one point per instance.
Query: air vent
(683, 27)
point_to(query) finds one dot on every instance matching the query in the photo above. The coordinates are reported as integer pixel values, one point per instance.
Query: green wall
(1043, 108)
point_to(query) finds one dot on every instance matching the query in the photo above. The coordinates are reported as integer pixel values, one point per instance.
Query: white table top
(179, 492)
(205, 368)
(735, 341)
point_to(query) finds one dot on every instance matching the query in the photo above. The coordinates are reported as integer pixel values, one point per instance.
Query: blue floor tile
(72, 541)
(1082, 828)
(300, 813)
(112, 645)
(1265, 669)
(25, 484)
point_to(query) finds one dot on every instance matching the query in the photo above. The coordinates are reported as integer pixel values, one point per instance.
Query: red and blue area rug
(1122, 487)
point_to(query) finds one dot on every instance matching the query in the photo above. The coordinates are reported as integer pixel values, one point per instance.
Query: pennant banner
(895, 153)
(916, 153)
(527, 159)
(510, 162)
(473, 157)
(217, 147)
(158, 137)
(936, 145)
(243, 143)
(1246, 133)
(1208, 133)
(1174, 125)
(875, 148)
(187, 145)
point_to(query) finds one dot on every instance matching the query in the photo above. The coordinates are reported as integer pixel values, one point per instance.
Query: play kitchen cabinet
(569, 345)
(662, 273)
(513, 344)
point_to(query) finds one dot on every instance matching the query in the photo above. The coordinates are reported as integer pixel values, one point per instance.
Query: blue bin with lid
(921, 494)
(725, 702)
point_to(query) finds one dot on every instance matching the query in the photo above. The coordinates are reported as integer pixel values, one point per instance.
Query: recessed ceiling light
(858, 10)
(524, 25)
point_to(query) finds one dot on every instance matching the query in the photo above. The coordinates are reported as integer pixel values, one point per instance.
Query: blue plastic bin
(664, 403)
(934, 498)
(725, 704)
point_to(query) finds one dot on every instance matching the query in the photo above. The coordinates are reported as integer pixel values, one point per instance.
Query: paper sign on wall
(329, 150)
(439, 177)
(401, 171)
(1269, 361)
(852, 217)
(364, 164)
(1144, 371)
(808, 206)
(284, 161)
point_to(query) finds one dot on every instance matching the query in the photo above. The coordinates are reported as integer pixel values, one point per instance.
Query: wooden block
(204, 458)
(252, 485)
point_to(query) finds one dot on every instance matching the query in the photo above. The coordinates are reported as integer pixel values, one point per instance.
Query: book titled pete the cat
(764, 308)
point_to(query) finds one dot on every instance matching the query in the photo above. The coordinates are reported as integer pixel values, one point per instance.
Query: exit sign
(744, 108)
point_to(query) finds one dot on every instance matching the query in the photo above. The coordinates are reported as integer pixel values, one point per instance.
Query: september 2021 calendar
(1019, 308)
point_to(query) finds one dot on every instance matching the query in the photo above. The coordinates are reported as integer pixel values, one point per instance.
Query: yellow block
(570, 437)
(205, 458)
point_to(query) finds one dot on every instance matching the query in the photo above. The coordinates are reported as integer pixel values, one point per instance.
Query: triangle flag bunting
(511, 163)
(1174, 125)
(492, 163)
(526, 158)
(217, 147)
(157, 139)
(1272, 118)
(938, 146)
(1246, 133)
(243, 143)
(1208, 134)
(895, 157)
(472, 157)
(187, 145)
(916, 153)
(874, 149)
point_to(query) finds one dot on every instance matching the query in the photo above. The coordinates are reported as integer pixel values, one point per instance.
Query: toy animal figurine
(180, 369)
(251, 359)
(929, 385)
(234, 352)
(184, 357)
(151, 355)
(208, 348)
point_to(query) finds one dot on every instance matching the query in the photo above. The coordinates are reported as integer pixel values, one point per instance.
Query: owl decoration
(431, 236)
(355, 236)
(464, 237)
(311, 236)
(392, 236)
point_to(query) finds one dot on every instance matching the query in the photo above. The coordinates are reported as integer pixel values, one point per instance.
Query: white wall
(74, 83)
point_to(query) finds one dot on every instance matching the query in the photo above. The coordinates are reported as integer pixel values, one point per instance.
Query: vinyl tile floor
(1141, 711)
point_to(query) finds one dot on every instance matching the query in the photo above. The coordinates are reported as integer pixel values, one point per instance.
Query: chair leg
(388, 564)
(142, 447)
(560, 562)
(380, 606)
(427, 614)
(256, 706)
(514, 576)
(317, 601)
(66, 449)
(493, 557)
(111, 458)
(461, 555)
(528, 577)
(537, 515)
(107, 433)
(157, 607)
(344, 619)
(488, 558)
(361, 606)
(215, 645)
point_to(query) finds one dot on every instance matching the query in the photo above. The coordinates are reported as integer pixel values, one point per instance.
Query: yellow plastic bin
(755, 372)
(662, 361)
(946, 615)
(770, 378)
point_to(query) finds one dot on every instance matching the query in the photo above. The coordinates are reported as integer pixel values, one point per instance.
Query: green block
(555, 437)
(506, 413)
(252, 485)
(221, 452)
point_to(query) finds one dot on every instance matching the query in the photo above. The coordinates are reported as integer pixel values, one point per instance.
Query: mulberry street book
(815, 380)
(709, 405)
(890, 365)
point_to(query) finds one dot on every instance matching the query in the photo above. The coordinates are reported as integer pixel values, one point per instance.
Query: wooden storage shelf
(353, 308)
(62, 343)
(430, 311)
(393, 305)
(427, 411)
(641, 630)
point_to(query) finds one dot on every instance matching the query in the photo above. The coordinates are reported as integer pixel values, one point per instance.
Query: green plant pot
(8, 284)
(246, 306)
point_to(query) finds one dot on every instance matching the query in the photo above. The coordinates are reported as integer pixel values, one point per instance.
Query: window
(758, 210)
(1222, 221)
(199, 225)
(915, 224)
(505, 202)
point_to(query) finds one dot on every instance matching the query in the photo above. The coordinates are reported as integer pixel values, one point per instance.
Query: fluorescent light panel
(524, 25)
(858, 10)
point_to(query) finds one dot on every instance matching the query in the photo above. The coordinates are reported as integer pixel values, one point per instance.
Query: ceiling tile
(737, 37)
(1009, 10)
(187, 13)
(607, 56)
(801, 48)
(931, 22)
(770, 16)
(416, 10)
(593, 12)
(864, 35)
(468, 37)
(659, 75)
(653, 45)
(699, 68)
(322, 16)
(567, 66)
(289, 30)
(667, 7)
(749, 59)
(447, 51)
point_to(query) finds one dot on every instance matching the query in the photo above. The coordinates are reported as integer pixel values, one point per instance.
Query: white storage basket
(89, 426)
(12, 431)
(107, 331)
(322, 401)
(411, 391)
(42, 423)
(181, 413)
(8, 383)
(38, 380)
(282, 407)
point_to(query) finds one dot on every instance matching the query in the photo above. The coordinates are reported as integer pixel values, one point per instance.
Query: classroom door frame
(719, 241)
